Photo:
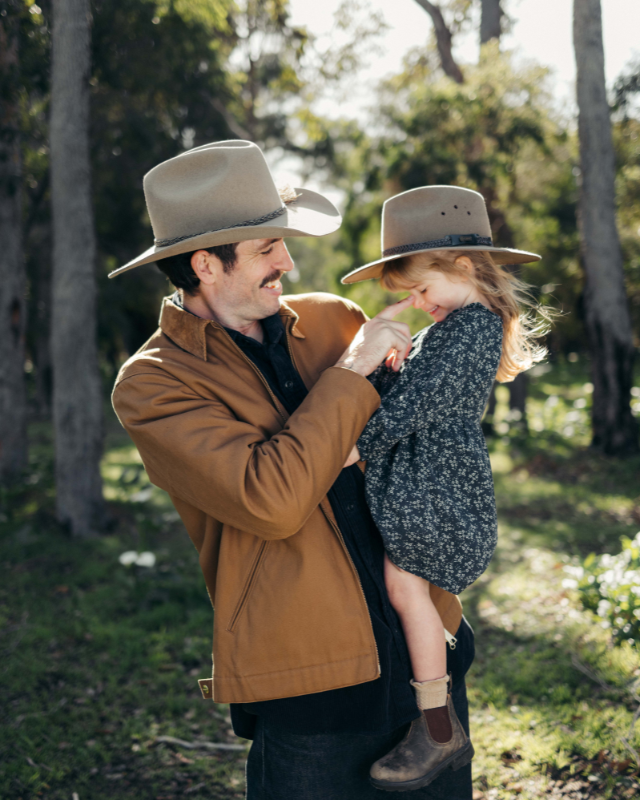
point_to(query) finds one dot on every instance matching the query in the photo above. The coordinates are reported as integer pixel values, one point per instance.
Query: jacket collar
(190, 332)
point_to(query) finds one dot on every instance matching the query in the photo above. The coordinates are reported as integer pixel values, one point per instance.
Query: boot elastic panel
(439, 724)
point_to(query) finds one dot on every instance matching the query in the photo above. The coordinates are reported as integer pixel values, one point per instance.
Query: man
(244, 408)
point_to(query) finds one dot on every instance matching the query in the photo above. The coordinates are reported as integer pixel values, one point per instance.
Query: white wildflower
(146, 559)
(576, 572)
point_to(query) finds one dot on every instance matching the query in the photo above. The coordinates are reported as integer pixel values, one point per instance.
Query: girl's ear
(466, 263)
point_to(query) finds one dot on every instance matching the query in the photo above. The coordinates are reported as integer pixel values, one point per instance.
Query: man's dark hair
(180, 272)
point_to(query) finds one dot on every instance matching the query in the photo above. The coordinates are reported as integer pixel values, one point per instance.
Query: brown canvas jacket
(250, 484)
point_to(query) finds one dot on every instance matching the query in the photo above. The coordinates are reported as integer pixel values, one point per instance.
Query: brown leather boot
(435, 741)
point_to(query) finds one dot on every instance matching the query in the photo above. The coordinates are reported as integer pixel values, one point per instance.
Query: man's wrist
(350, 364)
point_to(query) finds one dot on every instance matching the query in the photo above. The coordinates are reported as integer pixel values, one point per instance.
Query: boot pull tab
(451, 639)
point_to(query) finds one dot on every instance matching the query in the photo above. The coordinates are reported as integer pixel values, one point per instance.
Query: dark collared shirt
(378, 706)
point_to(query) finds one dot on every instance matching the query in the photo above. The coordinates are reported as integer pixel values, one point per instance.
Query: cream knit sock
(431, 694)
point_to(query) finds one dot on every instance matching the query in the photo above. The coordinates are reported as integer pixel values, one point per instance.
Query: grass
(99, 659)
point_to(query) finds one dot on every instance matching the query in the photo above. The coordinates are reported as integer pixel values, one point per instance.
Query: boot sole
(456, 761)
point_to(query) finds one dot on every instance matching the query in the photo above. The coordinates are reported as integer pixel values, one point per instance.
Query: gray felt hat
(222, 193)
(436, 218)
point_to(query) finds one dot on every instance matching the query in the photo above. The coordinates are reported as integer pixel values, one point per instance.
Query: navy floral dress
(428, 478)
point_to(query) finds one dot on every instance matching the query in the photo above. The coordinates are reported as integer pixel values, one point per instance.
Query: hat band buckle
(452, 240)
(247, 224)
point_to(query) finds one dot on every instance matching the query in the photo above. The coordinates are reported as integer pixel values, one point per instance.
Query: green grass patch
(101, 659)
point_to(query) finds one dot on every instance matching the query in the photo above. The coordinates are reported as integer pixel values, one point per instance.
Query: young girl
(428, 477)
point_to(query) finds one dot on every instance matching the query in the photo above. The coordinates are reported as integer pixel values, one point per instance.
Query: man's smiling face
(252, 288)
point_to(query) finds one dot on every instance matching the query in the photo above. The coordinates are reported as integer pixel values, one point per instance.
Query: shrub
(610, 587)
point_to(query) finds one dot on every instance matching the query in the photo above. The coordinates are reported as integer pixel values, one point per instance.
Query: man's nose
(285, 262)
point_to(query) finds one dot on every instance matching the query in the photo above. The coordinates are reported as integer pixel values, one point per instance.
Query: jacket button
(288, 385)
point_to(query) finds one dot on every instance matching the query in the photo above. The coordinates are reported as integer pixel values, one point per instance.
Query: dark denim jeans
(335, 766)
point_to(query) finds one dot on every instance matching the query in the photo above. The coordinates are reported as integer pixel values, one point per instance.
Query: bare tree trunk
(40, 319)
(443, 39)
(607, 318)
(77, 396)
(13, 409)
(490, 27)
(518, 398)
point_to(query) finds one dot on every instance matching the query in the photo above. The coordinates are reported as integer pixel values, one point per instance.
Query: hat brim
(501, 255)
(310, 214)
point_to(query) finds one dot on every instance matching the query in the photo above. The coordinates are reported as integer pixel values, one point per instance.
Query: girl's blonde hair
(504, 293)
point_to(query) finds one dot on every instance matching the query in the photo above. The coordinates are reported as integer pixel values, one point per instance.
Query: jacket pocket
(248, 586)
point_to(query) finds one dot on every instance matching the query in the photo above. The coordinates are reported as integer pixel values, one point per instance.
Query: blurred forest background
(101, 656)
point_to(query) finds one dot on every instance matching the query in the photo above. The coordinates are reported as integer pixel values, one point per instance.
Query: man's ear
(206, 266)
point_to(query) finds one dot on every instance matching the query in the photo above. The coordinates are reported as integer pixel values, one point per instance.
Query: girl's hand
(354, 457)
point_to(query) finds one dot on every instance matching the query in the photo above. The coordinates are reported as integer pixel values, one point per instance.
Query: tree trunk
(13, 401)
(607, 318)
(490, 19)
(77, 396)
(40, 319)
(518, 398)
(443, 39)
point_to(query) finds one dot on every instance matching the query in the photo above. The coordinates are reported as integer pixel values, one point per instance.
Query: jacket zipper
(248, 585)
(333, 525)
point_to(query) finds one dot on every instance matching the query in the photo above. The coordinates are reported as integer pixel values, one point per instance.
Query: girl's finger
(389, 362)
(399, 359)
(390, 311)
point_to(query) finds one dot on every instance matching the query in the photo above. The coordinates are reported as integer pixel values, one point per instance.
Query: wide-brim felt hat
(222, 193)
(436, 218)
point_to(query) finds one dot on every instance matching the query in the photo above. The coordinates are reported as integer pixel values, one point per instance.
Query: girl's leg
(436, 740)
(421, 623)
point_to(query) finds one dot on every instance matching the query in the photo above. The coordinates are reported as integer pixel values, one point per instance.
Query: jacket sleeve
(452, 362)
(197, 450)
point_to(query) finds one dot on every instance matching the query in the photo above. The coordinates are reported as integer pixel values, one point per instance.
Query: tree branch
(443, 40)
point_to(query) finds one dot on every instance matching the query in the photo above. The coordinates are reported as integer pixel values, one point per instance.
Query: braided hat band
(258, 221)
(453, 240)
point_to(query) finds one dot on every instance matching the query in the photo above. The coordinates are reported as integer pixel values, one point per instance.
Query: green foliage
(166, 76)
(626, 133)
(610, 587)
(497, 133)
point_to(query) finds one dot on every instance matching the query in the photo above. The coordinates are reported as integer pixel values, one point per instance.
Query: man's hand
(379, 339)
(353, 457)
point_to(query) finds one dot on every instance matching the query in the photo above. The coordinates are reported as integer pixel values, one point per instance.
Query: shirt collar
(189, 332)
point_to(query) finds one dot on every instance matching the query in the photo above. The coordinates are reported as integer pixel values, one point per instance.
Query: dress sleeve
(382, 379)
(452, 361)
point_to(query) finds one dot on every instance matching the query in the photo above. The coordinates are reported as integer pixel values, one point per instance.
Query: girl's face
(439, 294)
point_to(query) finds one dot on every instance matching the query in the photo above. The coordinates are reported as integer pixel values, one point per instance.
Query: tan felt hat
(221, 193)
(435, 218)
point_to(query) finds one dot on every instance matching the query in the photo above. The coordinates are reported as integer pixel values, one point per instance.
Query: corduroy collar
(189, 332)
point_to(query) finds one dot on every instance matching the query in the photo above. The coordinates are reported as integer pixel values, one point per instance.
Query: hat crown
(430, 213)
(212, 187)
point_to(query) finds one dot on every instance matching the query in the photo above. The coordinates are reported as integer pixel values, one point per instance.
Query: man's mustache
(274, 276)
